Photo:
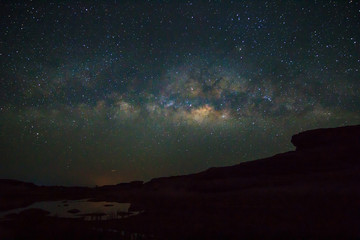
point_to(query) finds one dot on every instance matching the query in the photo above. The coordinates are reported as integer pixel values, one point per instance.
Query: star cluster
(99, 92)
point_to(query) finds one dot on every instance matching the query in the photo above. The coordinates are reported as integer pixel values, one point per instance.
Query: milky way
(101, 92)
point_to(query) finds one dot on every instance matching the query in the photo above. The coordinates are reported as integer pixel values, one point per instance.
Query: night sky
(102, 92)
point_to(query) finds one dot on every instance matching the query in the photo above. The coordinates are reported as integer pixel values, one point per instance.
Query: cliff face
(348, 136)
(317, 151)
(310, 193)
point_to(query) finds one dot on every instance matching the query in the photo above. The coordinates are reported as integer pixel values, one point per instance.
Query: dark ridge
(327, 137)
(11, 182)
(317, 150)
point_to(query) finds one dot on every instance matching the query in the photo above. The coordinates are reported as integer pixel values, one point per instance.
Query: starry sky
(102, 92)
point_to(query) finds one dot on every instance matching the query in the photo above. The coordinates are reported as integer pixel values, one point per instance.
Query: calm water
(88, 210)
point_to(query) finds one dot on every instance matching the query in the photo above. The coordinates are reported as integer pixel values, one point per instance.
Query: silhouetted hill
(310, 193)
(318, 151)
(348, 137)
(15, 185)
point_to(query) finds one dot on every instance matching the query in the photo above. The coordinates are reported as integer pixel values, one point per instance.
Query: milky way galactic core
(102, 92)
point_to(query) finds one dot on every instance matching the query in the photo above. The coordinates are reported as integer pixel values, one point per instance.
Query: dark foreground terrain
(310, 193)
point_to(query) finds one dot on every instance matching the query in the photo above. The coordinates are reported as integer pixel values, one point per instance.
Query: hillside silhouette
(310, 193)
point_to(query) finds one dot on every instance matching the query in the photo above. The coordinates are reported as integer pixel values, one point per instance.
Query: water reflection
(83, 208)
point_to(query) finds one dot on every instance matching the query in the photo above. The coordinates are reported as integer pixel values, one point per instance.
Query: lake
(88, 210)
